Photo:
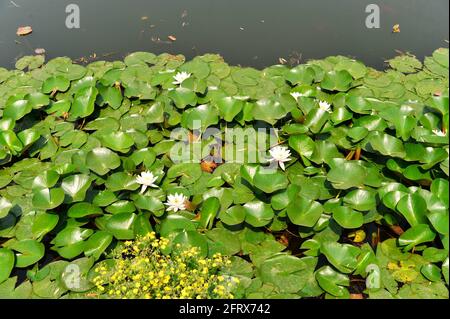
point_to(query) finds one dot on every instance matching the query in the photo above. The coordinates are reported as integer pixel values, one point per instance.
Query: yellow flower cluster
(142, 270)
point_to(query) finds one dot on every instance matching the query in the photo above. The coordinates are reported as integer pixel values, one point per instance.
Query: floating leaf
(84, 102)
(48, 198)
(27, 252)
(304, 212)
(5, 206)
(413, 207)
(83, 209)
(102, 160)
(347, 217)
(336, 81)
(258, 214)
(417, 234)
(7, 259)
(55, 83)
(269, 180)
(332, 282)
(76, 186)
(285, 272)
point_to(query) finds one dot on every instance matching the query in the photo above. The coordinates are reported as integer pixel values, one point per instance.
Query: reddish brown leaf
(189, 206)
(208, 166)
(192, 137)
(283, 240)
(397, 229)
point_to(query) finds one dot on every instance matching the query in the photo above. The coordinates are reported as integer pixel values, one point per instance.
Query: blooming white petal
(180, 77)
(438, 132)
(296, 95)
(324, 106)
(146, 179)
(280, 154)
(176, 202)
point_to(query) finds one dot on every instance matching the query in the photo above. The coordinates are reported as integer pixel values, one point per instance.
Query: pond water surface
(248, 33)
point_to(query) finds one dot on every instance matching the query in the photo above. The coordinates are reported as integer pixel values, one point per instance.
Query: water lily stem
(357, 153)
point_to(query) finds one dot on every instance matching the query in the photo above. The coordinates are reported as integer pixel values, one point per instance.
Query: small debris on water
(39, 51)
(396, 28)
(282, 60)
(241, 28)
(24, 30)
(14, 4)
(172, 38)
(144, 18)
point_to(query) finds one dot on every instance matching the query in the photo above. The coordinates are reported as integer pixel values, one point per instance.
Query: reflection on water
(250, 33)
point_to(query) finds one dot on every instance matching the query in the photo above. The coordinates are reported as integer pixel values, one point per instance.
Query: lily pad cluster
(361, 207)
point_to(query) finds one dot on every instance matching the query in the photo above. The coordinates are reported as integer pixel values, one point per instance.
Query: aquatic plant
(326, 179)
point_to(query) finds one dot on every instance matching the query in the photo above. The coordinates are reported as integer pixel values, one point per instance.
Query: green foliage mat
(363, 199)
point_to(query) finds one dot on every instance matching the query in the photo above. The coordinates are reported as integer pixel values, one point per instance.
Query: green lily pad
(183, 97)
(55, 83)
(269, 180)
(83, 209)
(332, 281)
(229, 107)
(97, 244)
(200, 117)
(5, 206)
(347, 217)
(101, 160)
(258, 214)
(48, 198)
(288, 273)
(337, 81)
(76, 186)
(304, 212)
(413, 207)
(234, 215)
(7, 259)
(431, 272)
(117, 141)
(416, 235)
(188, 238)
(360, 199)
(84, 102)
(121, 225)
(342, 256)
(27, 252)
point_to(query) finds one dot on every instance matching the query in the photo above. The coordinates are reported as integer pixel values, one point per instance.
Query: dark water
(250, 33)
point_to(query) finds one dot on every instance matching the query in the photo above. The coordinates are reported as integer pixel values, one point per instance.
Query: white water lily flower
(324, 106)
(280, 154)
(180, 77)
(176, 202)
(296, 95)
(438, 132)
(146, 179)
